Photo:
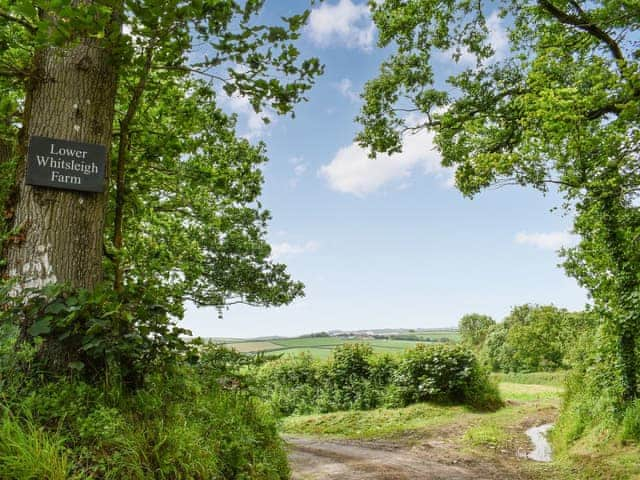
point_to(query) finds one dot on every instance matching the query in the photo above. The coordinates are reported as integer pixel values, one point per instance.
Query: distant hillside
(320, 344)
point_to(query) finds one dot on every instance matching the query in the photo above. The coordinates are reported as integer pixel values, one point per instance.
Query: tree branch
(600, 112)
(12, 74)
(583, 23)
(20, 21)
(123, 153)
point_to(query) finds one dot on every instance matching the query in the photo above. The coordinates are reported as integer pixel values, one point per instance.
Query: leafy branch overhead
(184, 216)
(559, 107)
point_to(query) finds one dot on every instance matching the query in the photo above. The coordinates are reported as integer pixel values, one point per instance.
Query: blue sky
(386, 242)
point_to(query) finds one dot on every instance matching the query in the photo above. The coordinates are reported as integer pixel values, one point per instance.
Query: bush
(356, 379)
(348, 383)
(534, 338)
(291, 384)
(86, 334)
(179, 425)
(593, 405)
(631, 423)
(443, 374)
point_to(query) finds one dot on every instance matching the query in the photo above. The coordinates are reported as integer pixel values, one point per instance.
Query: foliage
(592, 401)
(630, 428)
(179, 171)
(348, 383)
(178, 425)
(474, 327)
(109, 367)
(444, 374)
(292, 384)
(193, 183)
(123, 336)
(534, 338)
(356, 379)
(558, 107)
(27, 452)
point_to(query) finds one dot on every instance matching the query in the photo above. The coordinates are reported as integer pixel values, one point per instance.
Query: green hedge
(354, 378)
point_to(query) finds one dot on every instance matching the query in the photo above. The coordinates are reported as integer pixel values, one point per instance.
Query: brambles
(354, 378)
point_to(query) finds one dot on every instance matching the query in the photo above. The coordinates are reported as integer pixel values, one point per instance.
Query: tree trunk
(71, 97)
(629, 361)
(627, 323)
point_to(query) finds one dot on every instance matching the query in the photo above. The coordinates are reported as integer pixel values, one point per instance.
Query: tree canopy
(96, 281)
(474, 327)
(183, 215)
(558, 107)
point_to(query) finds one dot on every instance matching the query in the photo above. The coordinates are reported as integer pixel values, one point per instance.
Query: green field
(320, 347)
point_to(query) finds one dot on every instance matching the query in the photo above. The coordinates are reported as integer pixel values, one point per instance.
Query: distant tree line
(531, 338)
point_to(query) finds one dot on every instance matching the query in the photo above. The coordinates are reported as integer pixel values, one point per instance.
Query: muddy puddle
(542, 447)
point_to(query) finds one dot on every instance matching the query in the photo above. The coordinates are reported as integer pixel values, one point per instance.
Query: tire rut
(319, 459)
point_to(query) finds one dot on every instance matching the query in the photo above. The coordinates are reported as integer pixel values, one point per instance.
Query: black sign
(68, 165)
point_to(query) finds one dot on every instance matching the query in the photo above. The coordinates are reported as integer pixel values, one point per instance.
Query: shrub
(291, 384)
(348, 380)
(443, 373)
(356, 379)
(89, 333)
(175, 426)
(593, 396)
(631, 423)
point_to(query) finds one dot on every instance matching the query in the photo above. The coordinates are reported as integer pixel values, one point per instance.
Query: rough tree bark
(71, 97)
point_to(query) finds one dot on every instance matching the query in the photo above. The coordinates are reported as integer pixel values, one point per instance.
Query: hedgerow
(156, 409)
(354, 378)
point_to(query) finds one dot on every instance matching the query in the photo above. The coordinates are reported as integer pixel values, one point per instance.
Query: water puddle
(542, 448)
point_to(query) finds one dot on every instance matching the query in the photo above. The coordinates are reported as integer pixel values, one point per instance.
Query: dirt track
(313, 459)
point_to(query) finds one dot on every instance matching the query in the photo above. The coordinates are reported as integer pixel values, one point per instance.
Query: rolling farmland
(320, 347)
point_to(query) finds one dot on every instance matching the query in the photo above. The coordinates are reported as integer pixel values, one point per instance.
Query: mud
(320, 459)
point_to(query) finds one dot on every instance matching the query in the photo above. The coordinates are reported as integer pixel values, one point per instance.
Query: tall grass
(29, 453)
(177, 427)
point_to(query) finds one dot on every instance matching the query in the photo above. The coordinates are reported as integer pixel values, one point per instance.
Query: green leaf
(40, 327)
(76, 366)
(55, 308)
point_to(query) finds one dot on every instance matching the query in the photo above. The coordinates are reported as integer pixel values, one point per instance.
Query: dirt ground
(313, 459)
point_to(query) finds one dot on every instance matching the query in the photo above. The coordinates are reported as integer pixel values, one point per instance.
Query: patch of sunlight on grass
(373, 423)
(529, 393)
(556, 379)
(481, 435)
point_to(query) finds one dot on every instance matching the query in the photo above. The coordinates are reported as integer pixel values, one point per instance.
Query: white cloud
(547, 241)
(300, 168)
(497, 36)
(352, 171)
(345, 87)
(279, 250)
(346, 23)
(254, 124)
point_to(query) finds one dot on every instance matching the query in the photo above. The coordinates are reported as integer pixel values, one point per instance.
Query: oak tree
(559, 107)
(180, 215)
